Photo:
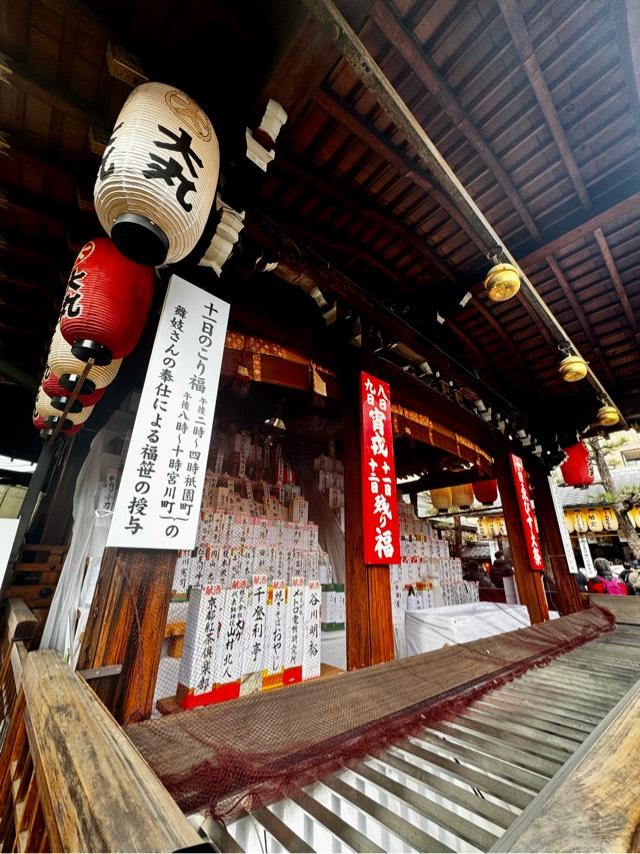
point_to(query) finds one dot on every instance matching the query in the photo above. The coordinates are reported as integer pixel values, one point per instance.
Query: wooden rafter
(354, 202)
(16, 73)
(580, 315)
(515, 22)
(377, 142)
(627, 207)
(626, 19)
(618, 284)
(427, 72)
(347, 116)
(16, 200)
(291, 266)
(23, 284)
(633, 24)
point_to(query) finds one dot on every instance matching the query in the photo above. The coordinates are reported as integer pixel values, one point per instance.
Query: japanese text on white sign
(160, 492)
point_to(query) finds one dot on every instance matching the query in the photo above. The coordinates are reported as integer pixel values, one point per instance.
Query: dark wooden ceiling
(534, 104)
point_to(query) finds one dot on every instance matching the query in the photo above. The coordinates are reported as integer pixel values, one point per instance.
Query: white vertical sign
(160, 492)
(585, 551)
(562, 524)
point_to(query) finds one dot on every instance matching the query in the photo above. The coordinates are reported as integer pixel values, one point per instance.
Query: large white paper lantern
(67, 368)
(157, 180)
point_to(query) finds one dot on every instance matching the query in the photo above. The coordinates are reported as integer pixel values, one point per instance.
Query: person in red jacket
(604, 582)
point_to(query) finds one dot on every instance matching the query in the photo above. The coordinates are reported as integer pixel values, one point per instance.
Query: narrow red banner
(379, 502)
(526, 514)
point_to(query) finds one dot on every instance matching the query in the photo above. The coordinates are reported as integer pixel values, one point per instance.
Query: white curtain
(72, 599)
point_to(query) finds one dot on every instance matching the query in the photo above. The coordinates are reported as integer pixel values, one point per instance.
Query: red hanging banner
(379, 502)
(529, 522)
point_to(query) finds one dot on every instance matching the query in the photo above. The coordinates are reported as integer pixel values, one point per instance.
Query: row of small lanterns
(462, 496)
(153, 194)
(592, 520)
(577, 470)
(502, 283)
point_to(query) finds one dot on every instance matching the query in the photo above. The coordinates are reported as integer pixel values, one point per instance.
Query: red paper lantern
(486, 491)
(106, 303)
(54, 388)
(577, 469)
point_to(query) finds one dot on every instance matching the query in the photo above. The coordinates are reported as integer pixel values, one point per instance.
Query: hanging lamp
(462, 496)
(105, 304)
(442, 499)
(573, 368)
(502, 282)
(53, 387)
(68, 368)
(486, 492)
(157, 181)
(577, 469)
(608, 415)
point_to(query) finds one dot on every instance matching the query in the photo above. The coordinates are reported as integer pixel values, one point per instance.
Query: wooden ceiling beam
(625, 208)
(617, 281)
(16, 73)
(43, 254)
(345, 115)
(626, 19)
(12, 145)
(512, 14)
(294, 266)
(348, 117)
(436, 84)
(633, 45)
(552, 261)
(28, 286)
(73, 11)
(352, 201)
(16, 200)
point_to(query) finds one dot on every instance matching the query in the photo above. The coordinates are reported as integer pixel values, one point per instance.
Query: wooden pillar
(126, 627)
(367, 589)
(529, 583)
(555, 559)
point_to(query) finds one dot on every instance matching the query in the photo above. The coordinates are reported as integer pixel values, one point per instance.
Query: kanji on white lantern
(157, 180)
(68, 369)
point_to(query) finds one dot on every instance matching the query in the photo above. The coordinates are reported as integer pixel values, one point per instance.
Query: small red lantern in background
(577, 469)
(486, 491)
(53, 387)
(106, 303)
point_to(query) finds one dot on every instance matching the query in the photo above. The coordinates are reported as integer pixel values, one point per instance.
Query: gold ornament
(573, 369)
(502, 282)
(608, 415)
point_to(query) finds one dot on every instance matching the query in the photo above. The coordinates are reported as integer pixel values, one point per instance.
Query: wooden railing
(70, 779)
(21, 820)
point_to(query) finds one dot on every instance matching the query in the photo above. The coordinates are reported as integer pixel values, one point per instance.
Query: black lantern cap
(69, 381)
(52, 420)
(140, 239)
(59, 402)
(85, 349)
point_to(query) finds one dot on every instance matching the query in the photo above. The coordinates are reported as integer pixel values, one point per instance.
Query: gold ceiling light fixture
(502, 282)
(573, 367)
(608, 415)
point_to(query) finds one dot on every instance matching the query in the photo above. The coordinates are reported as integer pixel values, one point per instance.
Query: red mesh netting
(239, 755)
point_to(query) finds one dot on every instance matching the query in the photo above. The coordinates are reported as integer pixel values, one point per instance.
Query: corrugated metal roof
(573, 497)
